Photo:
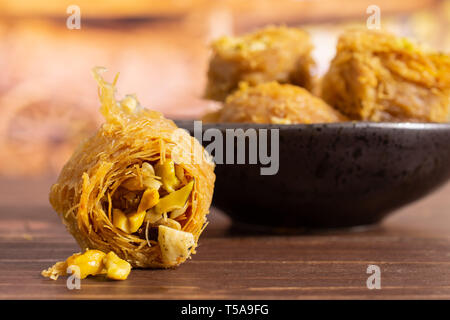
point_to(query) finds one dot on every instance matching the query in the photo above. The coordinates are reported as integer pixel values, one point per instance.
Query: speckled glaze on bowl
(334, 175)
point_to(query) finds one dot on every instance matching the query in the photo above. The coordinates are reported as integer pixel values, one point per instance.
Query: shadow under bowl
(329, 175)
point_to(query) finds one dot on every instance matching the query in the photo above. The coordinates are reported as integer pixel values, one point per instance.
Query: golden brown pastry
(377, 76)
(274, 103)
(139, 187)
(272, 54)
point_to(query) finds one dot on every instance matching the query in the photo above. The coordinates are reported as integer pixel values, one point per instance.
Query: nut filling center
(153, 202)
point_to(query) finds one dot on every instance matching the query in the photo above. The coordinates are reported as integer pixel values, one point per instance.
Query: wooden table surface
(411, 247)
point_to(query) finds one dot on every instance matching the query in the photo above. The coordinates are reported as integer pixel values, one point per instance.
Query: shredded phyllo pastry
(139, 188)
(275, 103)
(272, 54)
(377, 76)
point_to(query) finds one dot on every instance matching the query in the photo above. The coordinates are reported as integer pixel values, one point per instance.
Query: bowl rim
(334, 125)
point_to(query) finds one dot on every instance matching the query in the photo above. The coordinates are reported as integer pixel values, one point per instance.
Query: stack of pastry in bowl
(267, 77)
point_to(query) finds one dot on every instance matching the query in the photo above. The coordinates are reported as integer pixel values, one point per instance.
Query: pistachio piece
(174, 200)
(88, 263)
(179, 172)
(166, 170)
(149, 199)
(116, 268)
(128, 223)
(135, 221)
(120, 220)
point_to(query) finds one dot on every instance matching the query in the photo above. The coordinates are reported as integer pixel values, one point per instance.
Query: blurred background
(48, 98)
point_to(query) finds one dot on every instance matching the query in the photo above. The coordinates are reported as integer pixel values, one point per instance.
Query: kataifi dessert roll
(140, 186)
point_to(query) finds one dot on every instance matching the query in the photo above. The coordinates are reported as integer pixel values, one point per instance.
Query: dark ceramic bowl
(334, 175)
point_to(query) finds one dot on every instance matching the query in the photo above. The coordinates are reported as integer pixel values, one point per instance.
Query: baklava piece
(376, 76)
(274, 103)
(272, 54)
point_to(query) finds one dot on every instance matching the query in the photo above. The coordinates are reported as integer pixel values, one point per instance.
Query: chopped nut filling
(91, 263)
(156, 194)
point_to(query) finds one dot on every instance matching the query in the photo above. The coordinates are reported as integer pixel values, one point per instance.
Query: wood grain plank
(412, 249)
